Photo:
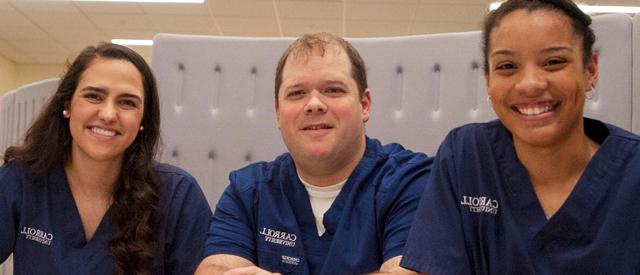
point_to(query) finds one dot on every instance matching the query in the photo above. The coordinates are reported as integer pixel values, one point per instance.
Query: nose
(315, 104)
(107, 112)
(532, 81)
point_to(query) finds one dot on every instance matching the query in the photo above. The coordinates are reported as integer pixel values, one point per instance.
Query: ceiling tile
(73, 35)
(29, 32)
(243, 8)
(130, 34)
(137, 22)
(380, 11)
(49, 58)
(166, 8)
(451, 13)
(76, 20)
(376, 28)
(36, 7)
(239, 26)
(39, 46)
(183, 23)
(298, 27)
(106, 7)
(298, 9)
(13, 18)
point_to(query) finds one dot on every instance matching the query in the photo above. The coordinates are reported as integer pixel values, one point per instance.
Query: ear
(277, 107)
(365, 101)
(591, 70)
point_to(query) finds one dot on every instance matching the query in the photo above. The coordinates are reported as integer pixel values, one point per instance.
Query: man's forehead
(302, 55)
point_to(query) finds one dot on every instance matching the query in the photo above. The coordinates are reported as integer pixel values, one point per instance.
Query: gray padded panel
(20, 107)
(218, 107)
(217, 104)
(636, 73)
(612, 98)
(6, 120)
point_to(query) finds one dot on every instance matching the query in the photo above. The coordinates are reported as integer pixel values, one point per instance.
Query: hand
(249, 270)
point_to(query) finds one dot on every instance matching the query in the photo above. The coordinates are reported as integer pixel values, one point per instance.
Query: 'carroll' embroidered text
(37, 235)
(279, 237)
(480, 204)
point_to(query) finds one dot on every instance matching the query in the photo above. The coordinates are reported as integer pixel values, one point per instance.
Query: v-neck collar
(73, 229)
(568, 223)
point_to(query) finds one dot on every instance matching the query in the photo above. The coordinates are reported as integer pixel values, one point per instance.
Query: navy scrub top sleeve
(10, 194)
(188, 220)
(410, 178)
(436, 241)
(230, 231)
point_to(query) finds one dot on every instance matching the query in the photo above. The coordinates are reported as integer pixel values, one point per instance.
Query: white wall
(7, 75)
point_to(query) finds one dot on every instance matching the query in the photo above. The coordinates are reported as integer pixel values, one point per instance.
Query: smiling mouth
(534, 109)
(317, 127)
(103, 132)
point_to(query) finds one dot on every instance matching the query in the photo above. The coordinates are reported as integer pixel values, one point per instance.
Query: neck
(329, 171)
(92, 178)
(560, 163)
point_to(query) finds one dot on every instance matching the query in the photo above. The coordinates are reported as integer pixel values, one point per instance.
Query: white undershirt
(321, 199)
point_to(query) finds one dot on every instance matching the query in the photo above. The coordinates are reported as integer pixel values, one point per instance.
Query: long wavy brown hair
(134, 212)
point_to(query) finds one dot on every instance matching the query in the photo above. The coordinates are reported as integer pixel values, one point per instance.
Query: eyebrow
(546, 50)
(104, 92)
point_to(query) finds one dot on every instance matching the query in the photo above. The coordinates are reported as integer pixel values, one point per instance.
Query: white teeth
(103, 132)
(532, 111)
(317, 127)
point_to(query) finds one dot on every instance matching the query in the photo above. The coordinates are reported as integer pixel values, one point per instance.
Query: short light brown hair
(305, 46)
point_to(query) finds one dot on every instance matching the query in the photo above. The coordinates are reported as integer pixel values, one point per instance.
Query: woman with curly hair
(543, 189)
(83, 195)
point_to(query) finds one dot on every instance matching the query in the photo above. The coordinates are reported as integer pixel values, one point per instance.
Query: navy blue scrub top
(265, 215)
(480, 213)
(41, 226)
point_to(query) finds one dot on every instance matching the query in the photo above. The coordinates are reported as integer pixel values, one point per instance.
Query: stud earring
(65, 113)
(591, 92)
(141, 128)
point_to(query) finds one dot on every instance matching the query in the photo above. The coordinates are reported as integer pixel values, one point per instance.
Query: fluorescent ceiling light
(132, 42)
(591, 8)
(148, 1)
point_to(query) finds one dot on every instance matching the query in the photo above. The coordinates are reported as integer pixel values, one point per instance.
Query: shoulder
(395, 154)
(171, 175)
(395, 169)
(262, 172)
(606, 130)
(177, 185)
(13, 174)
(473, 131)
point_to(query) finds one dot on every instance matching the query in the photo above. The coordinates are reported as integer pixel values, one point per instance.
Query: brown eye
(128, 103)
(505, 66)
(295, 94)
(93, 97)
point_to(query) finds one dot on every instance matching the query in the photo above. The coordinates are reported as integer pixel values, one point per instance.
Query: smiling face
(320, 115)
(106, 110)
(536, 78)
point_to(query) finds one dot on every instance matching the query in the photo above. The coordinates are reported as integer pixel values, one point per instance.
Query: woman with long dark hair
(83, 195)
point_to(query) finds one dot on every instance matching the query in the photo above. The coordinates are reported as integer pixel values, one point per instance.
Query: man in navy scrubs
(338, 202)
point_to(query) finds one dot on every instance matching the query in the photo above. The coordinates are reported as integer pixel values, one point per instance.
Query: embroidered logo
(290, 260)
(480, 204)
(37, 235)
(279, 237)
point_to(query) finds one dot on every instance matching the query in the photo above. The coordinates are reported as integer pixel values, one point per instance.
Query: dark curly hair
(579, 21)
(135, 208)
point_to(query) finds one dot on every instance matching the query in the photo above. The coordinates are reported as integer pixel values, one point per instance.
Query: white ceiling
(53, 31)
